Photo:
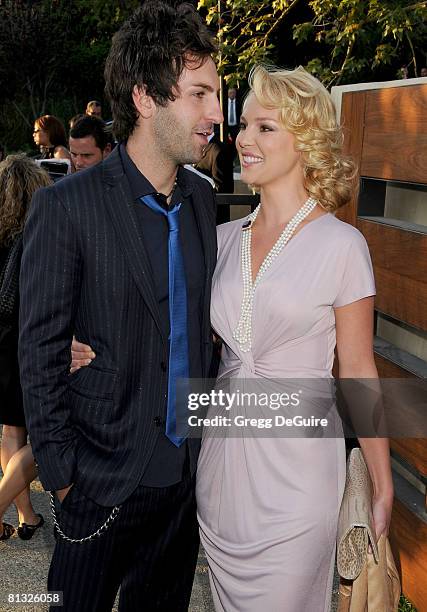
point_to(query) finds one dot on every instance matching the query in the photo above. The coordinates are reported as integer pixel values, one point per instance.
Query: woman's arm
(354, 329)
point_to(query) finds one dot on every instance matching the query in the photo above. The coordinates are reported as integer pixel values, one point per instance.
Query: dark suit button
(163, 366)
(158, 421)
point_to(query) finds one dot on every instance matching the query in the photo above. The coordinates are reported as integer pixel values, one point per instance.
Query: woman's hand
(81, 355)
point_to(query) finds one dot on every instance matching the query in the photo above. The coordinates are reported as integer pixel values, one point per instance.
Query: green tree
(52, 54)
(32, 36)
(360, 37)
(340, 41)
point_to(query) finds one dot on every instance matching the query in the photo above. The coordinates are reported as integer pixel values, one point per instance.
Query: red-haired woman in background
(49, 136)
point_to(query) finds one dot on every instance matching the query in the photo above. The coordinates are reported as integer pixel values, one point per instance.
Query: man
(404, 72)
(100, 251)
(94, 109)
(233, 114)
(88, 142)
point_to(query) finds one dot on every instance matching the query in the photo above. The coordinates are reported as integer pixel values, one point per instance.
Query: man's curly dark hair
(151, 50)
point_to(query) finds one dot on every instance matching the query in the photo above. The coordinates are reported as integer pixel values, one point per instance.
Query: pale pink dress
(268, 507)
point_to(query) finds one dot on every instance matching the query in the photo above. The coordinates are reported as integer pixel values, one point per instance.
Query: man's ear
(144, 103)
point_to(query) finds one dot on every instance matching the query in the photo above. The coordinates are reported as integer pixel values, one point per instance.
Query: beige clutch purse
(355, 522)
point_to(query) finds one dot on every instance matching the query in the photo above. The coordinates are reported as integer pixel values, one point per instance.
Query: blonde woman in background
(268, 507)
(20, 178)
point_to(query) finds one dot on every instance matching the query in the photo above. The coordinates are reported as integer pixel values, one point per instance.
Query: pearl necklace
(243, 331)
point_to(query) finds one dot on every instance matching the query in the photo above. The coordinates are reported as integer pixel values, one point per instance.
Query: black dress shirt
(168, 463)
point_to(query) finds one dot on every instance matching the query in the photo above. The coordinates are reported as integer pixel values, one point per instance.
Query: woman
(20, 177)
(291, 281)
(49, 136)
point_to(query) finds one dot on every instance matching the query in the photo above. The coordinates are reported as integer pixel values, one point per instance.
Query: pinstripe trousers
(149, 551)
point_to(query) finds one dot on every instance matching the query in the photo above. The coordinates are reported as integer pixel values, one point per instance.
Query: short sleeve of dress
(357, 279)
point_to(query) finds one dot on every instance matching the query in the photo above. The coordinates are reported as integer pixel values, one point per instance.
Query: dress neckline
(294, 237)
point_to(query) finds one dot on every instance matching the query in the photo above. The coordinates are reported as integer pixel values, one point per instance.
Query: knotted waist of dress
(308, 404)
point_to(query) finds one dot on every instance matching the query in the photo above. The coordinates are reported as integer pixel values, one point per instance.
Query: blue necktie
(178, 337)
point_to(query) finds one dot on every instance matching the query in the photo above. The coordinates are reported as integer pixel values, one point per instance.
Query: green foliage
(52, 54)
(341, 41)
(17, 124)
(361, 36)
(405, 605)
(245, 33)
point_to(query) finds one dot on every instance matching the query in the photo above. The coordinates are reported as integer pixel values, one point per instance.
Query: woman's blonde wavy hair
(307, 111)
(20, 177)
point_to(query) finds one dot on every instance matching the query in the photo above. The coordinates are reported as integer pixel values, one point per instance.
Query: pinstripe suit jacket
(85, 271)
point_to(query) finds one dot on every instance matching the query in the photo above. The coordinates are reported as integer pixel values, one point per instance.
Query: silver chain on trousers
(93, 535)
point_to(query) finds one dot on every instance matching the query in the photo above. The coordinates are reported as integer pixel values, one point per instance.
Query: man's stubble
(175, 140)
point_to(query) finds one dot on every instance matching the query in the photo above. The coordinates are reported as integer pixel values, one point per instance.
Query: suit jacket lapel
(120, 206)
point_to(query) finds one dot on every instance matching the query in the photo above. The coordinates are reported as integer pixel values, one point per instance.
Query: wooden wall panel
(386, 134)
(395, 134)
(401, 298)
(352, 114)
(388, 369)
(402, 251)
(400, 265)
(408, 535)
(413, 450)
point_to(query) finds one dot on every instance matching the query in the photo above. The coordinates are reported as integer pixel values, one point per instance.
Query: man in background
(94, 109)
(233, 114)
(89, 143)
